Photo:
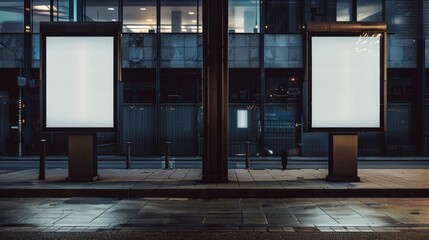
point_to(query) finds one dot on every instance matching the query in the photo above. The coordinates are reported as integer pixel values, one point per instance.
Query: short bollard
(128, 156)
(42, 161)
(167, 155)
(284, 159)
(247, 155)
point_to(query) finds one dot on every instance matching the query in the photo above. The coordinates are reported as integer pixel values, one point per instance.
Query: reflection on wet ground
(183, 214)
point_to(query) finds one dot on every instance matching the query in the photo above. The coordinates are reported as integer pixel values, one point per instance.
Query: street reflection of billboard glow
(79, 82)
(345, 82)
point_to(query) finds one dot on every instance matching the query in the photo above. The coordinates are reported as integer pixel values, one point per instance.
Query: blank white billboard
(79, 82)
(345, 82)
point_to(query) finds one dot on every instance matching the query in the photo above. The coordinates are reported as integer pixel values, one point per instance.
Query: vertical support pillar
(261, 129)
(420, 129)
(343, 151)
(26, 65)
(42, 160)
(157, 115)
(331, 10)
(353, 16)
(83, 158)
(80, 10)
(247, 160)
(421, 85)
(51, 10)
(128, 156)
(215, 91)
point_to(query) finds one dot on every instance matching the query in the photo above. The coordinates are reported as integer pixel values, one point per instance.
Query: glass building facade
(162, 68)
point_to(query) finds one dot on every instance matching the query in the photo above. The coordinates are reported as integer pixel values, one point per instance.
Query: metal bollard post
(247, 155)
(284, 159)
(42, 161)
(167, 155)
(128, 156)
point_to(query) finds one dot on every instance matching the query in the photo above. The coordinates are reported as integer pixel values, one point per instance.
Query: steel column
(26, 64)
(157, 115)
(262, 83)
(215, 91)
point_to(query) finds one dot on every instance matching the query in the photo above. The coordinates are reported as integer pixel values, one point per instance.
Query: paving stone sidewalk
(242, 183)
(224, 215)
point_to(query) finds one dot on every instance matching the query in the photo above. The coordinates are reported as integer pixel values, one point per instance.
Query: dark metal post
(422, 84)
(51, 10)
(26, 64)
(247, 155)
(157, 114)
(215, 91)
(42, 161)
(128, 157)
(284, 159)
(167, 155)
(261, 130)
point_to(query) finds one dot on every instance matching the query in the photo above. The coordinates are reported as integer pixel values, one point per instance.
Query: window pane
(369, 10)
(181, 50)
(101, 11)
(41, 13)
(139, 50)
(244, 85)
(139, 85)
(283, 85)
(179, 86)
(181, 16)
(243, 16)
(139, 16)
(283, 16)
(243, 50)
(344, 10)
(12, 52)
(426, 21)
(11, 16)
(391, 15)
(65, 10)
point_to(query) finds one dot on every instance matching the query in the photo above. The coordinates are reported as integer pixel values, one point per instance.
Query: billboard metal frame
(72, 29)
(343, 29)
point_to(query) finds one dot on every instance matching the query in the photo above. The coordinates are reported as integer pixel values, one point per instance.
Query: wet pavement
(271, 215)
(254, 204)
(183, 214)
(245, 235)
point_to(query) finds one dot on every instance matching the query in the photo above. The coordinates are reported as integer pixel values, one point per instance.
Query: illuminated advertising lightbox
(80, 73)
(79, 82)
(346, 82)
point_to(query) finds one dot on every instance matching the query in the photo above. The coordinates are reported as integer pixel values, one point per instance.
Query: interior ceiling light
(111, 9)
(138, 26)
(191, 13)
(142, 9)
(44, 7)
(149, 20)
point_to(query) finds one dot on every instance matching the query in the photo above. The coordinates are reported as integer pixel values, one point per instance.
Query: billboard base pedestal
(342, 179)
(83, 179)
(343, 150)
(83, 158)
